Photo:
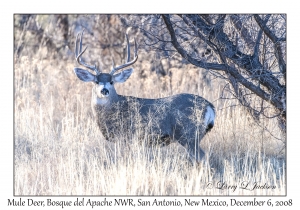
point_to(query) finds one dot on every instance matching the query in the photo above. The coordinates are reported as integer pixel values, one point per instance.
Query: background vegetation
(60, 151)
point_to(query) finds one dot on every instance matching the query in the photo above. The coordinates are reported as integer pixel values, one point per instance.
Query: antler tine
(128, 48)
(79, 52)
(113, 63)
(135, 48)
(128, 62)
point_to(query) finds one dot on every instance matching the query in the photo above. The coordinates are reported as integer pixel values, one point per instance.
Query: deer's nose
(104, 91)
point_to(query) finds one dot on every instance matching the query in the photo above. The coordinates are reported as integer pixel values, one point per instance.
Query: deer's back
(176, 114)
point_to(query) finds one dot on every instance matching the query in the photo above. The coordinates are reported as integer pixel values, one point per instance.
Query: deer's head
(104, 82)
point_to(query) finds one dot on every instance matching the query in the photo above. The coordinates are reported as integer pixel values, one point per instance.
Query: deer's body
(174, 118)
(182, 118)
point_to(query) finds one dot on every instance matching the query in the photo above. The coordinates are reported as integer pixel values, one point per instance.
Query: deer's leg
(190, 137)
(195, 153)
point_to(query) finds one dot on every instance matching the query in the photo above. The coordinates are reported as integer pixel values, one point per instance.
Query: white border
(153, 6)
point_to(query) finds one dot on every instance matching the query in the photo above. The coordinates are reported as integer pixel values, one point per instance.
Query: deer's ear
(122, 76)
(84, 75)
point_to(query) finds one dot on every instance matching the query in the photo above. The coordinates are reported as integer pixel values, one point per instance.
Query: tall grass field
(59, 150)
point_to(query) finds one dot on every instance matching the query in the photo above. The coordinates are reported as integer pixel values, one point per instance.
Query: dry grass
(60, 151)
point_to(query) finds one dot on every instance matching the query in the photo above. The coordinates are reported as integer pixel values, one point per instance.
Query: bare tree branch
(233, 72)
(276, 41)
(243, 30)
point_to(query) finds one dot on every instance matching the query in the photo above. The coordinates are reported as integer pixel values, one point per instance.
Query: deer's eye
(111, 82)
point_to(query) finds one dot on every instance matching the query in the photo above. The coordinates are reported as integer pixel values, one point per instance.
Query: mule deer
(182, 118)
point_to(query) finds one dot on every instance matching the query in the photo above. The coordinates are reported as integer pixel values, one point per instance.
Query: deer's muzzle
(104, 92)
